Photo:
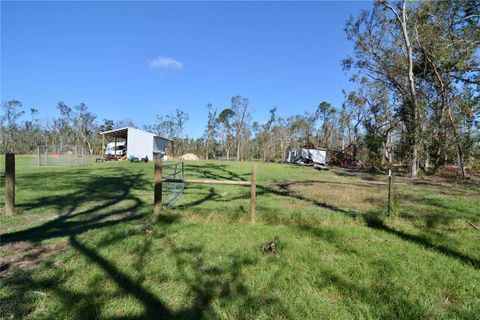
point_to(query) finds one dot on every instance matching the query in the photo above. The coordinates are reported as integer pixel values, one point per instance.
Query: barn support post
(103, 147)
(253, 194)
(10, 183)
(157, 189)
(115, 149)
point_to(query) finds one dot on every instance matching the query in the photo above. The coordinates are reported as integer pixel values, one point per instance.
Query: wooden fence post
(157, 191)
(10, 183)
(389, 191)
(253, 193)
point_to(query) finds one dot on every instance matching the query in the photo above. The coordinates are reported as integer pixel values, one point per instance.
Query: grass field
(87, 246)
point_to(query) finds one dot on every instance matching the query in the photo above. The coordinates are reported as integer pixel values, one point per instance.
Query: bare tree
(241, 118)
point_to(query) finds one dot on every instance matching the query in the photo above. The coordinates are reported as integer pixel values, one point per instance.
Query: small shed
(139, 143)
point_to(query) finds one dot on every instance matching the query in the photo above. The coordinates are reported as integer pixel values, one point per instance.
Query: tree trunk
(461, 162)
(413, 165)
(402, 20)
(206, 150)
(90, 148)
(238, 150)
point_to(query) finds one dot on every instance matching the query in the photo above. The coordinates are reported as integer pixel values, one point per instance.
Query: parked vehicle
(120, 150)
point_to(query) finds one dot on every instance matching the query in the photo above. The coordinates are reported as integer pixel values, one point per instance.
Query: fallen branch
(474, 226)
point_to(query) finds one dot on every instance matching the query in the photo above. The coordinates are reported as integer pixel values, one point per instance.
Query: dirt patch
(25, 255)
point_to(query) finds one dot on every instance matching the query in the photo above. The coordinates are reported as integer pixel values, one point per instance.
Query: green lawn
(86, 246)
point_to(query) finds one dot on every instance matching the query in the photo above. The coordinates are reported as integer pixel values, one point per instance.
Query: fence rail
(208, 181)
(159, 179)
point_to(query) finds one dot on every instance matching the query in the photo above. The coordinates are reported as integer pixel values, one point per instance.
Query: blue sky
(138, 59)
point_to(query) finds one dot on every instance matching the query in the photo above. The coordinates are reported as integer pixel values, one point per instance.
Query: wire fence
(172, 191)
(61, 155)
(2, 180)
(2, 165)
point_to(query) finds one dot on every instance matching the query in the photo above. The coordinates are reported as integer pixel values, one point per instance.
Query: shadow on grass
(205, 282)
(154, 308)
(375, 222)
(444, 210)
(215, 171)
(110, 201)
(389, 298)
(106, 202)
(285, 190)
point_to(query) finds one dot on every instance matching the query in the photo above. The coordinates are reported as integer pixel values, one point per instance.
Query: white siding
(139, 144)
(159, 147)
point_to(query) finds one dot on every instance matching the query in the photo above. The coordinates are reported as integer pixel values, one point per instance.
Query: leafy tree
(107, 125)
(384, 52)
(9, 127)
(225, 129)
(210, 131)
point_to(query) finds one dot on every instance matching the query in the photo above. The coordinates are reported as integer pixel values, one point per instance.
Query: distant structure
(303, 156)
(61, 155)
(129, 143)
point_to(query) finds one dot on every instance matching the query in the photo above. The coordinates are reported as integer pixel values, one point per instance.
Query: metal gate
(172, 191)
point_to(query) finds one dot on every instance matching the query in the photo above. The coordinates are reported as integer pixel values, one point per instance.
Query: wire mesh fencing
(61, 155)
(172, 191)
(2, 180)
(2, 165)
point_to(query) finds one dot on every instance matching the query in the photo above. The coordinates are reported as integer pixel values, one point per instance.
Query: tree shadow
(285, 190)
(113, 199)
(154, 308)
(205, 282)
(215, 171)
(376, 223)
(434, 212)
(115, 203)
(387, 298)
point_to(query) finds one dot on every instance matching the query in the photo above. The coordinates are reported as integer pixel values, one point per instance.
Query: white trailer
(314, 157)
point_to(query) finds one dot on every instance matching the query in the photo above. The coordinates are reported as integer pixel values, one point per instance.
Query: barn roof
(123, 132)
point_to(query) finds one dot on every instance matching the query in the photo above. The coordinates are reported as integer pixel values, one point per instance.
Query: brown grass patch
(25, 255)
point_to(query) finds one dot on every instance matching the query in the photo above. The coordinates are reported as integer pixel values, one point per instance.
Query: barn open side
(140, 144)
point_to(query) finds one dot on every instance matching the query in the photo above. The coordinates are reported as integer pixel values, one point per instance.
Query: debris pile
(308, 157)
(347, 158)
(271, 247)
(189, 156)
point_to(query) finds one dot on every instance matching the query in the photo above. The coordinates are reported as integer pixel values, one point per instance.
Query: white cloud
(166, 63)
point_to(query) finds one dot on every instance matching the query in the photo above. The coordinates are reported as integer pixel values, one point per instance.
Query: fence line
(159, 180)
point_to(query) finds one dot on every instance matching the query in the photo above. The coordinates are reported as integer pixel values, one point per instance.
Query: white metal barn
(139, 143)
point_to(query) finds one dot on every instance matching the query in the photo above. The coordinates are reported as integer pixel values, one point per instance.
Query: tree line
(415, 66)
